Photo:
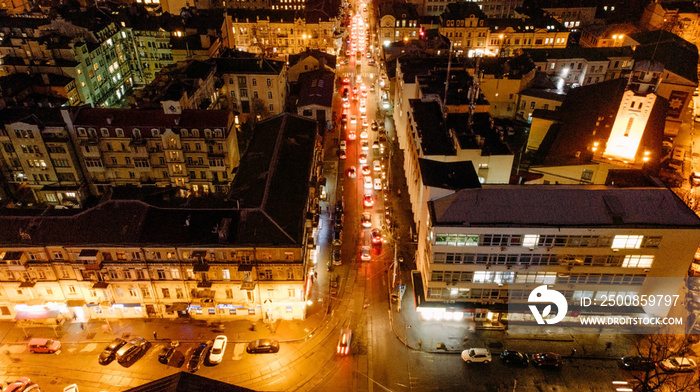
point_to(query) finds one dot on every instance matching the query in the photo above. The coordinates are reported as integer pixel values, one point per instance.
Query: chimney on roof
(177, 120)
(109, 120)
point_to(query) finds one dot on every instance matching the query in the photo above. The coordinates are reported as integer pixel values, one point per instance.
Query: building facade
(193, 149)
(529, 236)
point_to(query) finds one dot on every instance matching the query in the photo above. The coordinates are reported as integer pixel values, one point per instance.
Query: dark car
(636, 362)
(167, 352)
(135, 348)
(263, 346)
(110, 352)
(198, 355)
(514, 358)
(547, 359)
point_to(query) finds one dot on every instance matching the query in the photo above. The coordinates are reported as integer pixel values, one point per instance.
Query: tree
(258, 110)
(658, 347)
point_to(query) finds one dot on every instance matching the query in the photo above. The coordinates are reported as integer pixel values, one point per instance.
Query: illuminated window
(627, 242)
(638, 261)
(530, 240)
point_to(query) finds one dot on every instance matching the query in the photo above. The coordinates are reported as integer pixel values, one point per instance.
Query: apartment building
(485, 248)
(192, 149)
(578, 66)
(280, 32)
(185, 85)
(678, 17)
(39, 163)
(252, 86)
(491, 8)
(154, 50)
(398, 22)
(247, 259)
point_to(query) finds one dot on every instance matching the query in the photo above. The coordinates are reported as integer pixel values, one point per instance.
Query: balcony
(247, 285)
(92, 266)
(204, 284)
(200, 267)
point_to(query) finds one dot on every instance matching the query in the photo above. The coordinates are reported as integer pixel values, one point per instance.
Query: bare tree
(656, 348)
(258, 110)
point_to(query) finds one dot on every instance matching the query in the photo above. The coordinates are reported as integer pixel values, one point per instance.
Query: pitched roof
(240, 65)
(676, 54)
(323, 57)
(316, 88)
(562, 206)
(187, 382)
(147, 118)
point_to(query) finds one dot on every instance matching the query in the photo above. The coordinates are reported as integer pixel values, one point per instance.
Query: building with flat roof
(246, 256)
(579, 240)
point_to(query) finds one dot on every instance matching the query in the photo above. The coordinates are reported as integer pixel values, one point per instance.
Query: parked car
(109, 353)
(167, 352)
(513, 357)
(678, 365)
(198, 355)
(41, 345)
(135, 348)
(344, 341)
(343, 145)
(636, 362)
(18, 386)
(338, 237)
(336, 257)
(262, 346)
(547, 359)
(218, 349)
(476, 355)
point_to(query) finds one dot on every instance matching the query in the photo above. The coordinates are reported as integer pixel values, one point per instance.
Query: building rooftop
(522, 25)
(316, 88)
(248, 66)
(448, 175)
(146, 119)
(676, 54)
(277, 16)
(398, 10)
(562, 206)
(272, 187)
(430, 128)
(187, 382)
(323, 57)
(461, 11)
(568, 142)
(41, 117)
(571, 52)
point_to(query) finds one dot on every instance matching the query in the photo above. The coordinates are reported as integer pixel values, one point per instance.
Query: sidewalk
(185, 330)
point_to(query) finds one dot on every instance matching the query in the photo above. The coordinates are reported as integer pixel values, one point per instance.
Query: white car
(376, 165)
(365, 145)
(217, 349)
(363, 158)
(368, 182)
(678, 365)
(353, 119)
(377, 184)
(343, 145)
(476, 355)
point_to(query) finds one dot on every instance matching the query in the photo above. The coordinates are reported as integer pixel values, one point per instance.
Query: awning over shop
(177, 307)
(39, 314)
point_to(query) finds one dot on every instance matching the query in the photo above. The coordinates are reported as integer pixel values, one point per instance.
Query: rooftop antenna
(447, 82)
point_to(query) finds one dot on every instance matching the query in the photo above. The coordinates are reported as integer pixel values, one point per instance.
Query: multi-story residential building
(398, 22)
(25, 90)
(129, 259)
(573, 14)
(541, 93)
(579, 66)
(608, 36)
(281, 32)
(192, 149)
(253, 87)
(502, 80)
(308, 60)
(186, 85)
(37, 155)
(316, 96)
(483, 248)
(154, 51)
(491, 8)
(678, 17)
(508, 37)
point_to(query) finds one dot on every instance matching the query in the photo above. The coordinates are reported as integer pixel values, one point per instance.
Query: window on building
(638, 261)
(587, 174)
(627, 242)
(226, 274)
(166, 292)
